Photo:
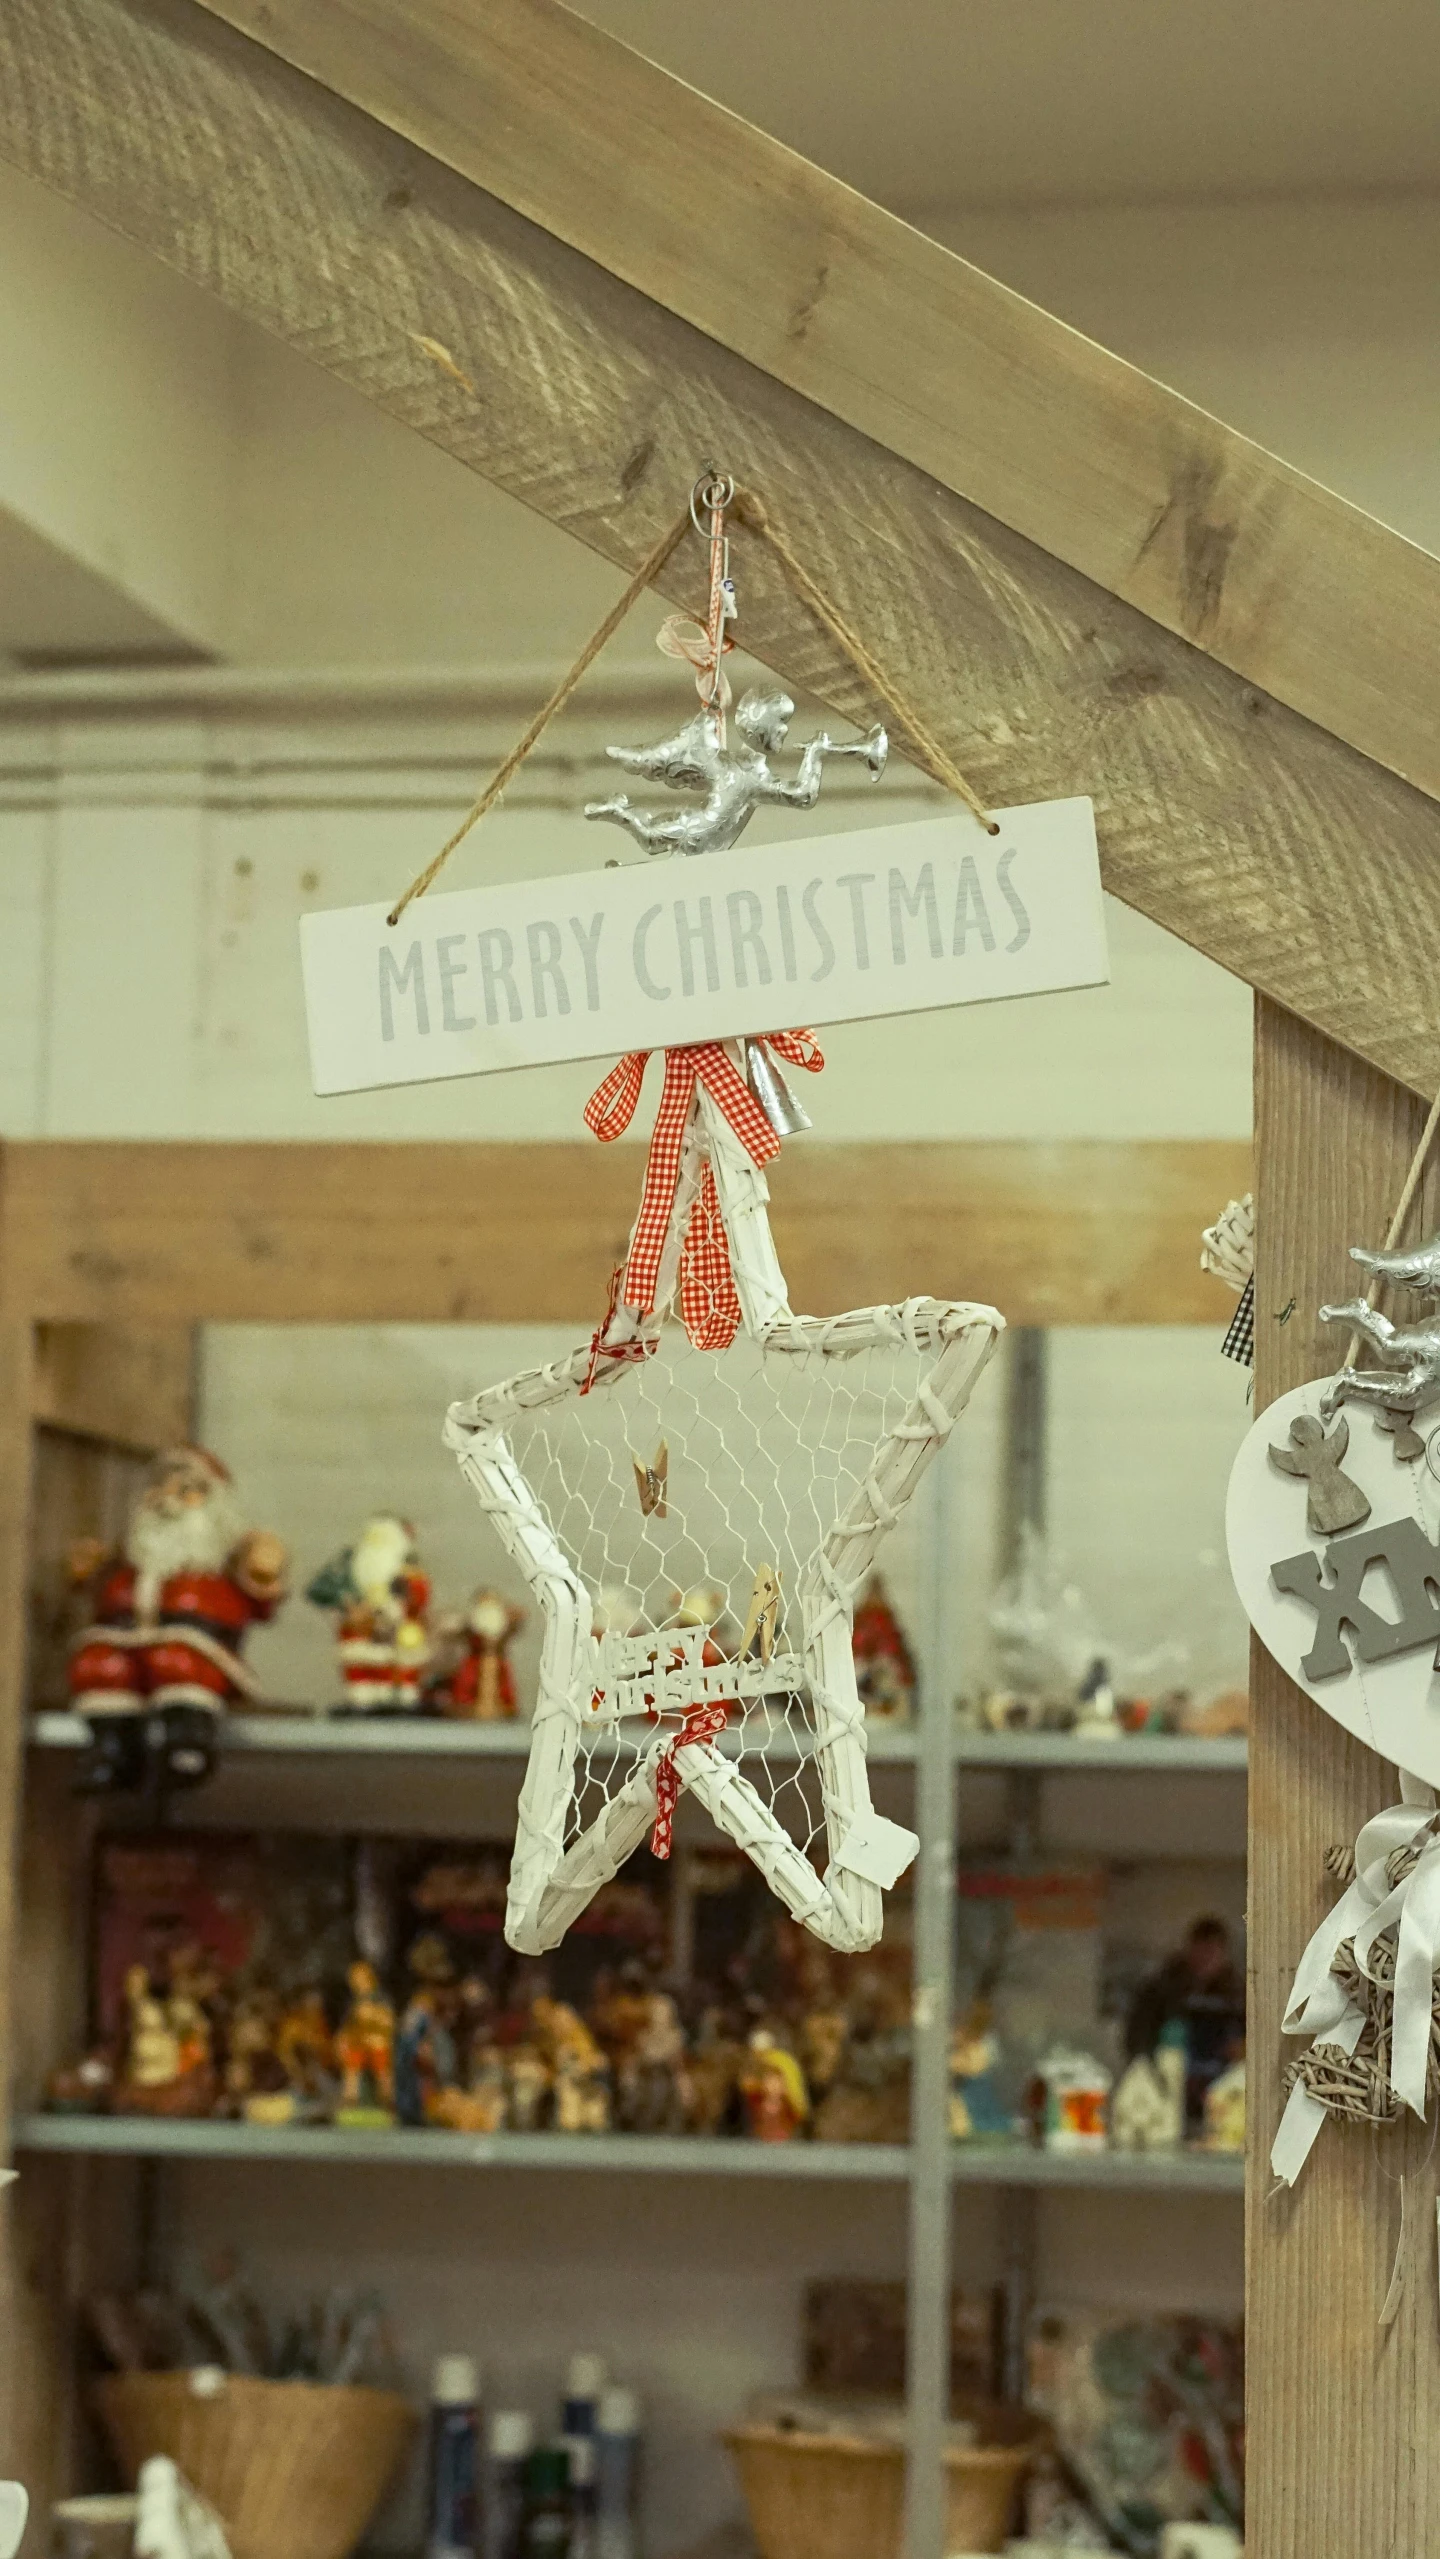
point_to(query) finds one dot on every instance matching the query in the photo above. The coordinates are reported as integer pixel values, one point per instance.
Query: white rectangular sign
(659, 954)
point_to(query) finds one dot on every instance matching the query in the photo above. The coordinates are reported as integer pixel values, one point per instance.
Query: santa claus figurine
(884, 1669)
(161, 1659)
(482, 1684)
(380, 1596)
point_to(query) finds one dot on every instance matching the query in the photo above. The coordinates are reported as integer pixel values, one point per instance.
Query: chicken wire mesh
(696, 1524)
(749, 1458)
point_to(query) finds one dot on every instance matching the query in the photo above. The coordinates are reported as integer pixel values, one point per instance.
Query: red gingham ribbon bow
(708, 1303)
(702, 1724)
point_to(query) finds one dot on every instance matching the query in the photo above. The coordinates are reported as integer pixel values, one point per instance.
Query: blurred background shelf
(1176, 1753)
(1121, 2171)
(882, 2163)
(438, 1738)
(147, 2137)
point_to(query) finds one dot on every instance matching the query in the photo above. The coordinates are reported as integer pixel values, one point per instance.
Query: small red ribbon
(702, 1724)
(708, 1303)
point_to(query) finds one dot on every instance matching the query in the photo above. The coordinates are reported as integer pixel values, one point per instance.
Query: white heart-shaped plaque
(1393, 1705)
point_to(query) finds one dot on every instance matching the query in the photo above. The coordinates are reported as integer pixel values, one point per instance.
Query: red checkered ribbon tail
(611, 1106)
(702, 1724)
(709, 1303)
(798, 1048)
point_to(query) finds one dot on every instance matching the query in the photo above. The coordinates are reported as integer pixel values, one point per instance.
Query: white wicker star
(795, 1452)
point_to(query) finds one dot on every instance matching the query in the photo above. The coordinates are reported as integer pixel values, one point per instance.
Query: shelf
(146, 2137)
(423, 1737)
(1205, 2172)
(1179, 1754)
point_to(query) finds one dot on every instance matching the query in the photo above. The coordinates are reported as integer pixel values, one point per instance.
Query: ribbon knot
(709, 1306)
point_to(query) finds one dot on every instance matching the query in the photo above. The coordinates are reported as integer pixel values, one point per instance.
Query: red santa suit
(172, 1611)
(186, 1654)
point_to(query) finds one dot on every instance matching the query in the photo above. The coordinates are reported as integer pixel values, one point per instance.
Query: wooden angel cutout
(1333, 1500)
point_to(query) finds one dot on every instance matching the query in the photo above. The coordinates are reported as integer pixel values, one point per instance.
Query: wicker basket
(294, 2469)
(836, 2496)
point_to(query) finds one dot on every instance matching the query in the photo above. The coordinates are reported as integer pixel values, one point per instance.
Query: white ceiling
(948, 103)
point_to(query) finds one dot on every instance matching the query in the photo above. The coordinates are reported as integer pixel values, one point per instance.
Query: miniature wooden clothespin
(763, 1614)
(651, 1480)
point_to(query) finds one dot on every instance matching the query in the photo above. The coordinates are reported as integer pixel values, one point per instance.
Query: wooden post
(1343, 2415)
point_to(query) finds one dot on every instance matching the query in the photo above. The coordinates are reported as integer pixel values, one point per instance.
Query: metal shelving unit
(873, 2163)
(929, 2167)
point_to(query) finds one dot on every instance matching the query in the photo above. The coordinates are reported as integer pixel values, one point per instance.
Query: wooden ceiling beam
(1283, 853)
(1058, 439)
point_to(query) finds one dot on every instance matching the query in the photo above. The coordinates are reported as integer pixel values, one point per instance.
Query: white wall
(158, 870)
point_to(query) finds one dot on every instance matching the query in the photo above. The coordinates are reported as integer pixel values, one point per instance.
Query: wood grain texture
(154, 1235)
(1342, 2414)
(30, 2373)
(1254, 835)
(132, 1388)
(1061, 441)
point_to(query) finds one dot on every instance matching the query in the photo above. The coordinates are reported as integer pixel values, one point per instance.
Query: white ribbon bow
(1320, 2007)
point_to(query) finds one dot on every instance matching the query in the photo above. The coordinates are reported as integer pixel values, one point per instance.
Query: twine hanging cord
(750, 511)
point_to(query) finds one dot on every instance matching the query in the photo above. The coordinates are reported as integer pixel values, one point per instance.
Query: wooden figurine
(1076, 2092)
(481, 2103)
(1197, 1996)
(425, 2056)
(823, 2034)
(1333, 1500)
(652, 2075)
(152, 2047)
(305, 2050)
(162, 1658)
(193, 1985)
(1096, 1719)
(482, 1685)
(579, 2072)
(772, 2084)
(884, 1669)
(1148, 2109)
(365, 2052)
(711, 2075)
(527, 2075)
(166, 2066)
(252, 2068)
(977, 2110)
(1224, 2120)
(380, 1598)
